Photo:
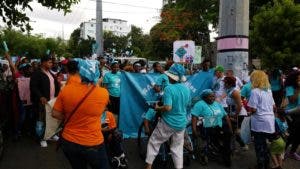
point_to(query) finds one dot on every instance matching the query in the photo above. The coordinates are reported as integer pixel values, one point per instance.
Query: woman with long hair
(262, 107)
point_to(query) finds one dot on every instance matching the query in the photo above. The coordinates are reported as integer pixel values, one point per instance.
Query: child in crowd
(277, 146)
(113, 140)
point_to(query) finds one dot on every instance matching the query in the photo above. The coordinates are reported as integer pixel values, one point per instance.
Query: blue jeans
(81, 156)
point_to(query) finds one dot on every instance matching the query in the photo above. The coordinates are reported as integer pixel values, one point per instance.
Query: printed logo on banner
(184, 51)
(137, 91)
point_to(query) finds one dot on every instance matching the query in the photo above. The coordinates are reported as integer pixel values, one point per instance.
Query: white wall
(117, 26)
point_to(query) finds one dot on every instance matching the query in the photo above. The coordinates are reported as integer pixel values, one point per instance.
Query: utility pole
(99, 28)
(233, 40)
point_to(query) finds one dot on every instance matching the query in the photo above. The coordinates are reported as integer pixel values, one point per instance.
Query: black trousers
(114, 105)
(294, 137)
(261, 149)
(80, 157)
(113, 142)
(217, 135)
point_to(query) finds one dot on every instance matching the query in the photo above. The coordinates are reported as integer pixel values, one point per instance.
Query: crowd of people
(88, 102)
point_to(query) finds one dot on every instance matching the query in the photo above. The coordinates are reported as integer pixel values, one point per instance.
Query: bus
(129, 59)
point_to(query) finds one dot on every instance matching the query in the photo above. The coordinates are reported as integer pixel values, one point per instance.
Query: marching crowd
(88, 102)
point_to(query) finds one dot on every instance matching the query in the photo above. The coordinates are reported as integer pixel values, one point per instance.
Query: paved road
(26, 154)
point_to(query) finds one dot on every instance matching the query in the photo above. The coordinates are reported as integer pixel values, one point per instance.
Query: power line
(94, 9)
(119, 11)
(121, 4)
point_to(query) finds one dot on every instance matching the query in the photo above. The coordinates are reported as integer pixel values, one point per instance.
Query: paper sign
(184, 51)
(198, 53)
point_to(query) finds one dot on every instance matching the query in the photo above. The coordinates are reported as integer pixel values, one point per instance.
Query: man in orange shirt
(82, 133)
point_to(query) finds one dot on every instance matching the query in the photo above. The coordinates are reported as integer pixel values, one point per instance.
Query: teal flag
(137, 92)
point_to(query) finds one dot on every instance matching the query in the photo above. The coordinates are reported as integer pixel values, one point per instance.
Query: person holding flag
(173, 120)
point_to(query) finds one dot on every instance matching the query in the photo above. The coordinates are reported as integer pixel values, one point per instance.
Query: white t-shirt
(263, 120)
(238, 83)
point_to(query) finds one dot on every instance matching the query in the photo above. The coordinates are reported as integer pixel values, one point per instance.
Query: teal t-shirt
(178, 96)
(246, 90)
(282, 125)
(212, 114)
(290, 91)
(113, 82)
(275, 84)
(150, 114)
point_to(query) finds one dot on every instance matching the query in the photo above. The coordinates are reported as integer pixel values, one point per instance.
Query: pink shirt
(23, 86)
(52, 86)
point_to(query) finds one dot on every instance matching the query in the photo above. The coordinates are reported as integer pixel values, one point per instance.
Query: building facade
(165, 2)
(116, 26)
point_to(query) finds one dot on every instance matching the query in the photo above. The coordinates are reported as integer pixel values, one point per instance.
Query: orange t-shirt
(109, 120)
(84, 127)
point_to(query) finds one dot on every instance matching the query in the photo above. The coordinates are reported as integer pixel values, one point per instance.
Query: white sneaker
(44, 143)
(55, 138)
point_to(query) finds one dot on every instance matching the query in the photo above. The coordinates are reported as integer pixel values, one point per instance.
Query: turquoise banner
(137, 92)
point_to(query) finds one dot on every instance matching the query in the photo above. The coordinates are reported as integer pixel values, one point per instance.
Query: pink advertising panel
(233, 43)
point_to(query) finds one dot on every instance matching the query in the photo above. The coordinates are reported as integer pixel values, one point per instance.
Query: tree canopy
(13, 13)
(135, 41)
(139, 43)
(32, 46)
(183, 20)
(275, 37)
(114, 44)
(78, 46)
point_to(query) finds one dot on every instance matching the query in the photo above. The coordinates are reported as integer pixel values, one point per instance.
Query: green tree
(183, 20)
(13, 13)
(139, 42)
(85, 47)
(33, 46)
(78, 46)
(276, 34)
(161, 47)
(73, 42)
(255, 6)
(114, 42)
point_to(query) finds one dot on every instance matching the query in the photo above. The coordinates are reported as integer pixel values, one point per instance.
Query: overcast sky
(51, 23)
